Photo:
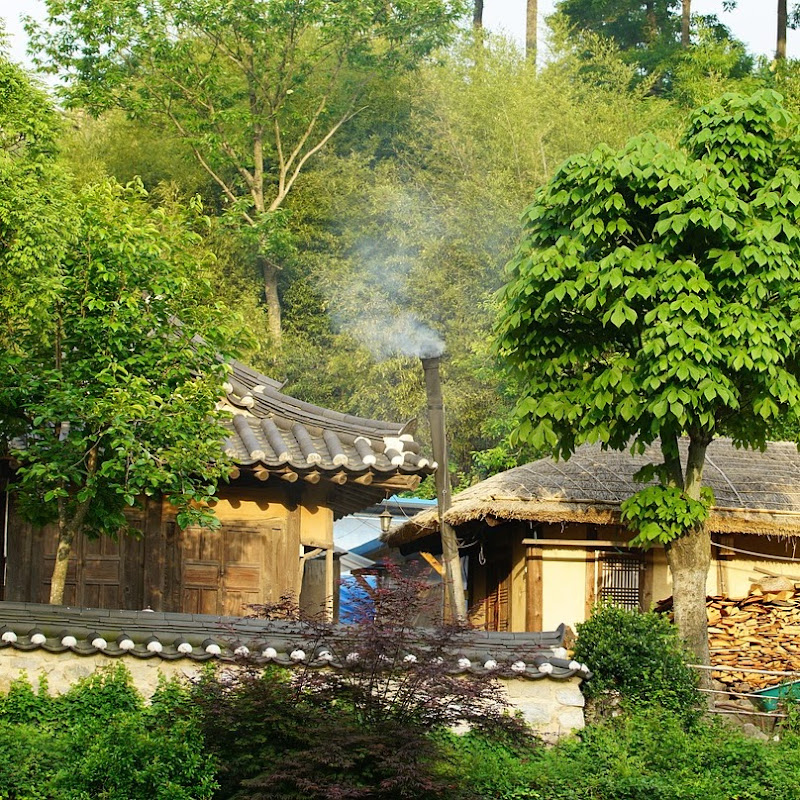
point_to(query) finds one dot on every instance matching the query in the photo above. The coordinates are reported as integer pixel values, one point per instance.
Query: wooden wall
(254, 557)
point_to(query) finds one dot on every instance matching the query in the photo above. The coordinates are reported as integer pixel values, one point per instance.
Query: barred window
(620, 579)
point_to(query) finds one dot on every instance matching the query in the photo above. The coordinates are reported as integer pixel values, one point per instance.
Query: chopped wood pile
(758, 632)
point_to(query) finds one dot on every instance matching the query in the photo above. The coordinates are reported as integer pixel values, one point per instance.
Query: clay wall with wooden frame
(534, 578)
(255, 556)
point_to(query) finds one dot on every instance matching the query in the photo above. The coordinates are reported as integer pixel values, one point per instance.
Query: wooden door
(226, 569)
(498, 591)
(93, 572)
(201, 570)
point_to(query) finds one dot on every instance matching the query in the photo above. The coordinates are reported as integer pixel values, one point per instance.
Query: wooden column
(329, 587)
(590, 590)
(533, 588)
(722, 556)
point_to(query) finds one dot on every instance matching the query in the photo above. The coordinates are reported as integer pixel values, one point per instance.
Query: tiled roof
(198, 637)
(275, 434)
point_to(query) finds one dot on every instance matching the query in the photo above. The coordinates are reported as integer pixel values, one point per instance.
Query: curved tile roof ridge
(270, 400)
(198, 637)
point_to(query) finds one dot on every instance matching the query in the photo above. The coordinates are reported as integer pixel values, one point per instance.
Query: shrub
(640, 656)
(100, 740)
(364, 731)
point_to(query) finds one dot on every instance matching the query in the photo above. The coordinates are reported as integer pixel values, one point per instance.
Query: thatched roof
(755, 492)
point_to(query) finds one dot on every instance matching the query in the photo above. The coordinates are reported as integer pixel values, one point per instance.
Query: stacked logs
(758, 632)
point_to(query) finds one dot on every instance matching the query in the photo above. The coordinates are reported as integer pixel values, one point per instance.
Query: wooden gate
(225, 569)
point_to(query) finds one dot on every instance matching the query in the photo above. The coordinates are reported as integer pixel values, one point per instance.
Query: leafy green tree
(36, 215)
(106, 392)
(254, 89)
(648, 31)
(114, 398)
(655, 294)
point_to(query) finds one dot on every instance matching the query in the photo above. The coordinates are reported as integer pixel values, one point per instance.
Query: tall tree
(254, 89)
(114, 398)
(531, 29)
(104, 397)
(477, 14)
(655, 294)
(783, 22)
(686, 21)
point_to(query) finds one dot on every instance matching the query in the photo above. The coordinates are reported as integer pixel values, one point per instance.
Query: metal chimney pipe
(454, 582)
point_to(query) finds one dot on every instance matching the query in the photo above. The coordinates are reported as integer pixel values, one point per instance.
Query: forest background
(409, 212)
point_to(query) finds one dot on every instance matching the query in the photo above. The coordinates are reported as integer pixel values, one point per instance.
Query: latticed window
(620, 579)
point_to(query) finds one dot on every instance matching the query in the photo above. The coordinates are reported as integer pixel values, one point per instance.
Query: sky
(753, 21)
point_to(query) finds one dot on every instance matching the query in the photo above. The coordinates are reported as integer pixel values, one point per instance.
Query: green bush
(100, 741)
(640, 656)
(647, 754)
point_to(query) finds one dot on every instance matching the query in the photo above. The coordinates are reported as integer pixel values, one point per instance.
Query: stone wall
(67, 644)
(553, 708)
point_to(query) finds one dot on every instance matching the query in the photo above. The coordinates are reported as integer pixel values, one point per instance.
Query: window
(620, 579)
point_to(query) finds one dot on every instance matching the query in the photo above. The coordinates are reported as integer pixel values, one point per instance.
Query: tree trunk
(67, 528)
(531, 31)
(686, 16)
(780, 50)
(689, 558)
(477, 14)
(270, 273)
(651, 23)
(59, 577)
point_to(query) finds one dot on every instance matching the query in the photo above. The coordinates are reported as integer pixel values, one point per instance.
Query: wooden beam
(312, 477)
(365, 480)
(533, 588)
(433, 561)
(597, 544)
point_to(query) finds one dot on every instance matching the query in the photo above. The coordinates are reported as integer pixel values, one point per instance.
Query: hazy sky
(753, 21)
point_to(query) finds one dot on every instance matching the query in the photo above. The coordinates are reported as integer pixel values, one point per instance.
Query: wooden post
(533, 588)
(590, 590)
(329, 587)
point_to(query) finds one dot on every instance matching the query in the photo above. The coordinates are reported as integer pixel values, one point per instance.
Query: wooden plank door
(241, 563)
(201, 570)
(93, 572)
(498, 590)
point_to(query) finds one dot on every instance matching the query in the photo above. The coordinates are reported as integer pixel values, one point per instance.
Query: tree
(783, 22)
(647, 31)
(254, 89)
(686, 20)
(655, 294)
(35, 213)
(477, 14)
(531, 29)
(107, 394)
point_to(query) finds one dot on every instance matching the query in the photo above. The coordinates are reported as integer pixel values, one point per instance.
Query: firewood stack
(760, 631)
